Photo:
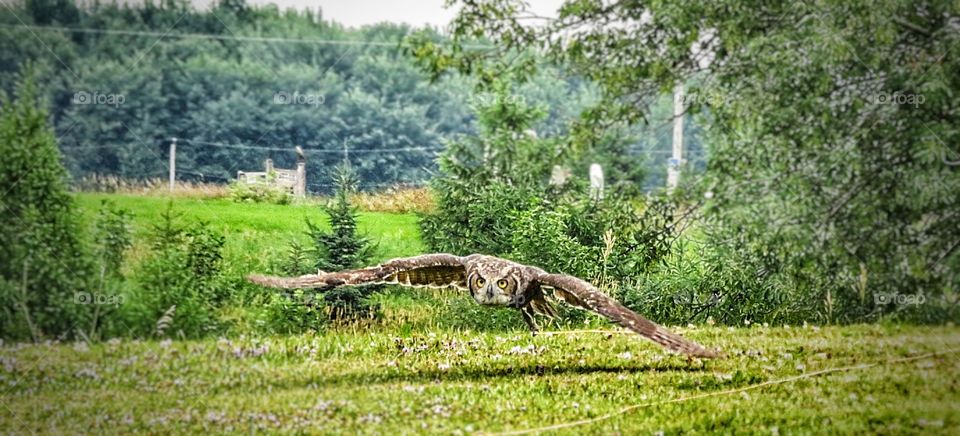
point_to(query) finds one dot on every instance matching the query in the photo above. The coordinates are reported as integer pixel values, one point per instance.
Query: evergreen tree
(44, 270)
(343, 247)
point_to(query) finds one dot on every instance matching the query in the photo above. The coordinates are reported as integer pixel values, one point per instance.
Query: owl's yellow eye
(480, 282)
(502, 284)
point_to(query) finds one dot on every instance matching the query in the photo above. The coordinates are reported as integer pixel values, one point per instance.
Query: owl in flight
(495, 282)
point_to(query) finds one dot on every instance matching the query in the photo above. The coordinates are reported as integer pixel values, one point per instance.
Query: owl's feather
(521, 288)
(580, 293)
(430, 270)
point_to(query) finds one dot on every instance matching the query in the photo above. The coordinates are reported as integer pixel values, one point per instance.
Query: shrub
(45, 267)
(484, 179)
(179, 280)
(243, 192)
(343, 247)
(111, 238)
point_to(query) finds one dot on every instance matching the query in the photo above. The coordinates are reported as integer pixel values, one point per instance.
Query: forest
(237, 84)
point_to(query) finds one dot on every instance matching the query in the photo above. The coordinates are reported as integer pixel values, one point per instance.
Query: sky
(355, 13)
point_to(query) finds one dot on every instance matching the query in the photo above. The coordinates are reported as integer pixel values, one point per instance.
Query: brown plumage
(495, 281)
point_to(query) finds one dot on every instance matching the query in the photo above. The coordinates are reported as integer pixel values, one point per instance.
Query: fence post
(673, 168)
(300, 188)
(173, 162)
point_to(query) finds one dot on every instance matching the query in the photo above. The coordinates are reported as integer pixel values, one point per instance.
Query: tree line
(238, 84)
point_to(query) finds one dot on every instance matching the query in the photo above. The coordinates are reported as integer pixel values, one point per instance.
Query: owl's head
(496, 282)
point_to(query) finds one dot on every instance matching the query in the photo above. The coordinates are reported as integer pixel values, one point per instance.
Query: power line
(263, 148)
(211, 36)
(353, 150)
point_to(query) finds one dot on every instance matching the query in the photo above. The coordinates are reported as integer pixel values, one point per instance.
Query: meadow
(492, 382)
(254, 229)
(422, 368)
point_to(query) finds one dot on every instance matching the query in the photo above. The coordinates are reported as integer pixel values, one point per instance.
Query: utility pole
(673, 168)
(346, 160)
(173, 162)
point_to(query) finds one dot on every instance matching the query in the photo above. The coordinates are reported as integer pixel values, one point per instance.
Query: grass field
(486, 382)
(400, 376)
(253, 229)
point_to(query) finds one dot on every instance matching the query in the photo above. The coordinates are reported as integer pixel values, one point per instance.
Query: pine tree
(44, 272)
(343, 247)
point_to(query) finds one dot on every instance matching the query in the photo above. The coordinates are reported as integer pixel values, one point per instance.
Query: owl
(493, 281)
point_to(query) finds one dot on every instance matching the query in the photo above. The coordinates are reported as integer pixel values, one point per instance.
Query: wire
(349, 150)
(254, 147)
(681, 399)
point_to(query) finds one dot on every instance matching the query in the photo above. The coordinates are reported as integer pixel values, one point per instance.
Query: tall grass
(152, 187)
(397, 199)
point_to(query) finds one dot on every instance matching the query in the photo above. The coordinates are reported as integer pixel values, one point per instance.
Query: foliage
(112, 238)
(180, 279)
(830, 173)
(240, 191)
(45, 267)
(484, 178)
(340, 248)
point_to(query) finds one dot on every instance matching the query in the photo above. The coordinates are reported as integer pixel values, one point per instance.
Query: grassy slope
(481, 382)
(255, 229)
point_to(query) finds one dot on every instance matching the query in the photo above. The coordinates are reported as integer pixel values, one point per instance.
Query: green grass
(421, 371)
(254, 230)
(485, 382)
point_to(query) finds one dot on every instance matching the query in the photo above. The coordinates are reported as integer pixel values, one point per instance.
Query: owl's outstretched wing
(429, 270)
(577, 292)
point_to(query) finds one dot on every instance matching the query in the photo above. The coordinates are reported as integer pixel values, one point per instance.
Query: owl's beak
(489, 290)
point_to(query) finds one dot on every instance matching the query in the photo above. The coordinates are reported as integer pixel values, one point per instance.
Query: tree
(830, 127)
(45, 271)
(484, 178)
(342, 247)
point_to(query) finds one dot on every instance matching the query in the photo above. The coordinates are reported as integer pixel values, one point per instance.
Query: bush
(242, 192)
(343, 247)
(179, 282)
(45, 270)
(484, 179)
(112, 237)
